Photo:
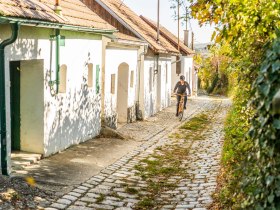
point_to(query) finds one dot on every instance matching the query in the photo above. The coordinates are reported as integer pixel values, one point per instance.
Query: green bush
(236, 148)
(265, 131)
(251, 163)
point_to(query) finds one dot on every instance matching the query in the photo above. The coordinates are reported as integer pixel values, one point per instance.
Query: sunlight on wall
(90, 75)
(113, 83)
(63, 79)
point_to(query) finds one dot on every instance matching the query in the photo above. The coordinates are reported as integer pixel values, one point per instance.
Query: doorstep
(20, 159)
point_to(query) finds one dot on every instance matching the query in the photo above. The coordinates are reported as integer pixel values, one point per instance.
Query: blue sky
(148, 8)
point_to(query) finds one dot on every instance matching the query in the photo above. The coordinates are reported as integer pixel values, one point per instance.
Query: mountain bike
(181, 106)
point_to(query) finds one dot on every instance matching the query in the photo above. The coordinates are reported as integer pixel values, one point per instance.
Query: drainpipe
(157, 63)
(55, 82)
(176, 61)
(58, 11)
(57, 60)
(3, 129)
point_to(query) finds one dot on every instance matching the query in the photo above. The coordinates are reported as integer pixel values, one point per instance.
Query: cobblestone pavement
(108, 189)
(163, 121)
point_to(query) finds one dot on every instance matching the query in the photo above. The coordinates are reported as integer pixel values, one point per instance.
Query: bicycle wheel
(181, 114)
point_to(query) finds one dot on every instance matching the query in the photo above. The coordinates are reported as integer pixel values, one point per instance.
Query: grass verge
(167, 162)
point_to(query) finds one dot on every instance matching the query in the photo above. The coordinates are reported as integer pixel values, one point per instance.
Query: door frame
(15, 104)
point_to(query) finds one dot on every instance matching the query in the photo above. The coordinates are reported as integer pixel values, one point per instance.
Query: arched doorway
(122, 92)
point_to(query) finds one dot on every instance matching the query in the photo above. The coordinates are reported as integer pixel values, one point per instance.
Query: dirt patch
(16, 193)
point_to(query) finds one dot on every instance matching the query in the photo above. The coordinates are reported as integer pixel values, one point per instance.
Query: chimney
(186, 37)
(57, 8)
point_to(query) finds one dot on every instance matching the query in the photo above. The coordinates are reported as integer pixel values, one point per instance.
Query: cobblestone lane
(108, 189)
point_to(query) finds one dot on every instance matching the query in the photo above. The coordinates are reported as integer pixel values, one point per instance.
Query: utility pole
(186, 32)
(158, 21)
(186, 18)
(178, 25)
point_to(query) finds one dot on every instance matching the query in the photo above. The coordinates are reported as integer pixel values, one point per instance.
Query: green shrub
(265, 131)
(236, 148)
(251, 163)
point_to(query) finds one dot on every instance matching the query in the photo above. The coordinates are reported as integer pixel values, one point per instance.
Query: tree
(249, 27)
(213, 71)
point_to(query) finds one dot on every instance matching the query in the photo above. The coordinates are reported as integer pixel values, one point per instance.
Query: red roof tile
(127, 37)
(140, 26)
(74, 12)
(169, 36)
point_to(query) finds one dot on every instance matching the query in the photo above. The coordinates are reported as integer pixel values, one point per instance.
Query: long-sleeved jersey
(182, 88)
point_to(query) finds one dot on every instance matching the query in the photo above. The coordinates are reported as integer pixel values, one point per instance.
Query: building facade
(52, 79)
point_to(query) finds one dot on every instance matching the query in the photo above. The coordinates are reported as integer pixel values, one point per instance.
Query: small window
(63, 79)
(151, 79)
(131, 79)
(90, 75)
(113, 83)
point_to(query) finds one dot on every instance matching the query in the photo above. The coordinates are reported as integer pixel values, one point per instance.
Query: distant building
(202, 48)
(181, 65)
(153, 70)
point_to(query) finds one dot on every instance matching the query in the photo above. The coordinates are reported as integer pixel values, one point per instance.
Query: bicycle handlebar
(180, 94)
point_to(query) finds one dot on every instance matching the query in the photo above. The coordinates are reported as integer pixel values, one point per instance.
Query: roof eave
(130, 42)
(123, 22)
(47, 24)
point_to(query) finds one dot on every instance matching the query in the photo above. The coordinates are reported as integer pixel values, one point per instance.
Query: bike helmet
(182, 77)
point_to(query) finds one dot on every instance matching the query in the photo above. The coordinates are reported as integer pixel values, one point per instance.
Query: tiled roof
(74, 12)
(140, 26)
(170, 36)
(127, 37)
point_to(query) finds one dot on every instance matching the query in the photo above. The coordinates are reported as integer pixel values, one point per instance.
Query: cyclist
(181, 88)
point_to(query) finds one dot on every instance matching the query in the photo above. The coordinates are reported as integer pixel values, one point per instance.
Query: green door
(15, 104)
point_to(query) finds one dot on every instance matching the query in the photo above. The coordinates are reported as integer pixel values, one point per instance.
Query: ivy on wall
(265, 131)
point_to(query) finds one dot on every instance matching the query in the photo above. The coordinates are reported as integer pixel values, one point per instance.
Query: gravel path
(110, 188)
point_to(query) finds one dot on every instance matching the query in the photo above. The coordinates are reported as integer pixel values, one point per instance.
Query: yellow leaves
(219, 11)
(30, 181)
(216, 20)
(213, 36)
(207, 6)
(218, 38)
(193, 13)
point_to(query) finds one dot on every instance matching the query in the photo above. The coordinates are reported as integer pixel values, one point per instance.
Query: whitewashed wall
(70, 117)
(187, 66)
(74, 116)
(186, 70)
(115, 57)
(174, 76)
(152, 103)
(149, 103)
(165, 80)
